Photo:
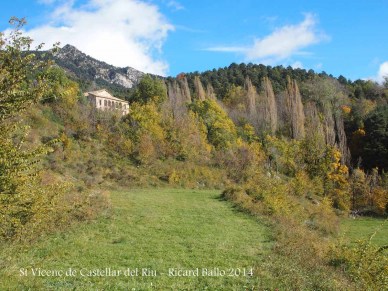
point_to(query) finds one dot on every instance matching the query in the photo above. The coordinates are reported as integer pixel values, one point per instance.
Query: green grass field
(362, 228)
(151, 231)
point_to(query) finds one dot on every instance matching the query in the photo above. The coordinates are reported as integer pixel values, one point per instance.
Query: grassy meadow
(154, 229)
(363, 228)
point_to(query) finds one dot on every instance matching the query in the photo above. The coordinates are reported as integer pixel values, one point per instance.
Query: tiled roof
(104, 94)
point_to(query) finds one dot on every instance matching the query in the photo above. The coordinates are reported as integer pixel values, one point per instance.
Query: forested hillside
(295, 102)
(275, 100)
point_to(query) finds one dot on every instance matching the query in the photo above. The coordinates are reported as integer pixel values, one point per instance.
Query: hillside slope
(294, 103)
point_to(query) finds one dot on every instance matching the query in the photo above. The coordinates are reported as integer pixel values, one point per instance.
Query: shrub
(301, 227)
(364, 262)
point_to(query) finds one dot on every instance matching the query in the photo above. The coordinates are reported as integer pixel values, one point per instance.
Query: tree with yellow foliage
(337, 185)
(221, 131)
(146, 131)
(23, 202)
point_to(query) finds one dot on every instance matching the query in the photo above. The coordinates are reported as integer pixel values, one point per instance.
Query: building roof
(104, 94)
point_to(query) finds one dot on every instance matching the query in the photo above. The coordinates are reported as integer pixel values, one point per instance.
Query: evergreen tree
(375, 151)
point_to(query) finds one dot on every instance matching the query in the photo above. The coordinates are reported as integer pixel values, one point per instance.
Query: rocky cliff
(89, 69)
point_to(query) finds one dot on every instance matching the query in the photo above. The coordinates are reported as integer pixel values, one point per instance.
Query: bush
(364, 262)
(302, 230)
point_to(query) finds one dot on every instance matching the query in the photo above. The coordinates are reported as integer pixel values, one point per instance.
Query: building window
(100, 102)
(105, 103)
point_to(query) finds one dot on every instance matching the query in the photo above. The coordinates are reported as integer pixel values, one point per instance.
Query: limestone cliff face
(85, 67)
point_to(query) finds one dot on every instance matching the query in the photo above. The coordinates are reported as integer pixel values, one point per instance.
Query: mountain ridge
(85, 67)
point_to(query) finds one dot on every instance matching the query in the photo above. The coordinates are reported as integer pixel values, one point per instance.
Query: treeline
(223, 79)
(355, 106)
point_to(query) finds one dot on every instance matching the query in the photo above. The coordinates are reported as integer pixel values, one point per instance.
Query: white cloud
(269, 19)
(227, 49)
(175, 5)
(189, 29)
(281, 44)
(383, 72)
(297, 65)
(119, 32)
(319, 66)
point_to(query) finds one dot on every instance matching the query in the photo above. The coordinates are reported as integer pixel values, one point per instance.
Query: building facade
(102, 100)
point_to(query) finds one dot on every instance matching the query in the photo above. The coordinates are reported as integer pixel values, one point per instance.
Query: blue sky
(172, 36)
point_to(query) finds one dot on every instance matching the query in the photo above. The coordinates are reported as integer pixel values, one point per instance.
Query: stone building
(102, 100)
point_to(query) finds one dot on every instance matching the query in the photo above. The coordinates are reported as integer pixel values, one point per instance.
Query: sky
(167, 37)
